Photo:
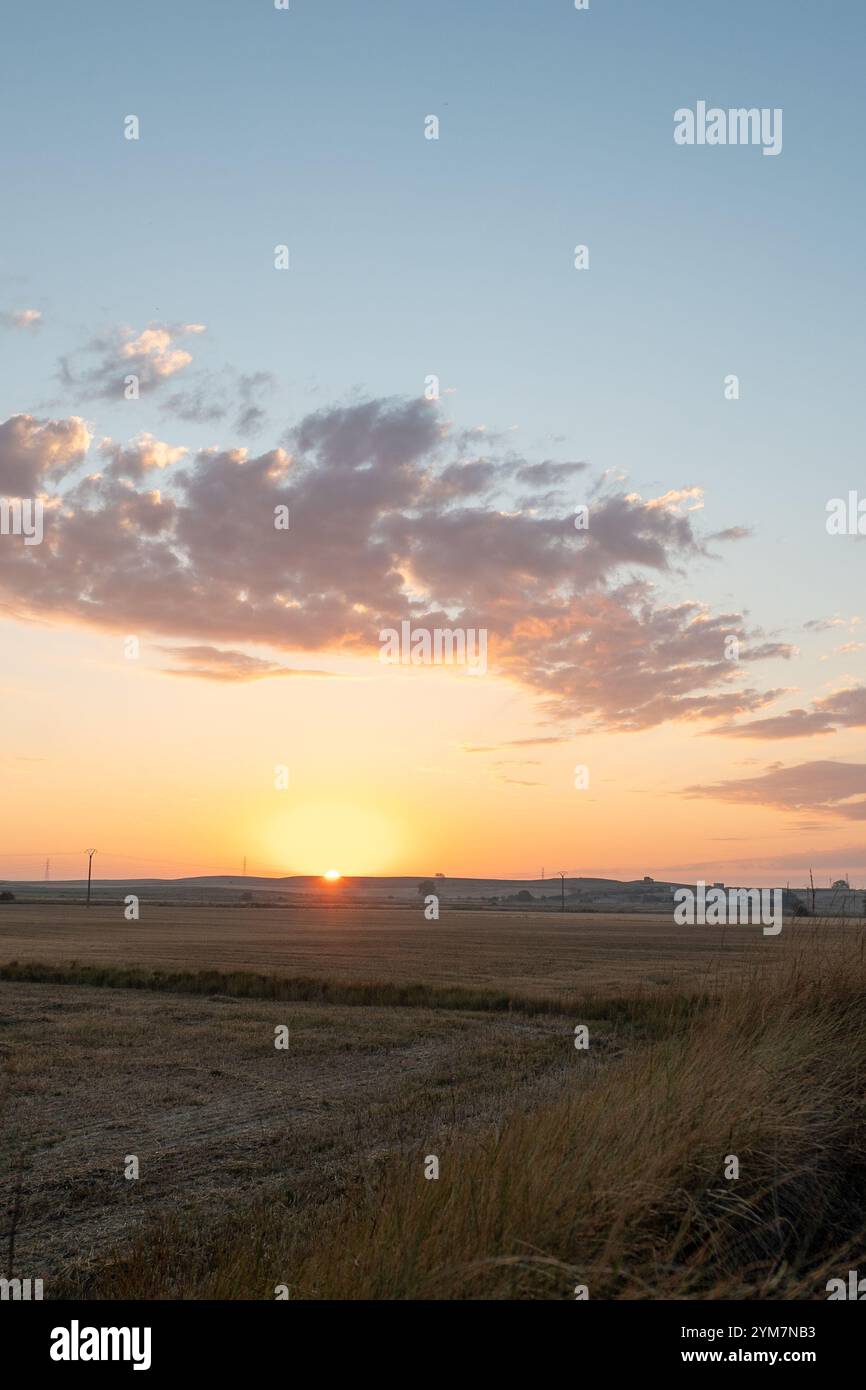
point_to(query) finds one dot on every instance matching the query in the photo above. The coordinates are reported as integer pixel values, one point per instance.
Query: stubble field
(304, 1166)
(535, 953)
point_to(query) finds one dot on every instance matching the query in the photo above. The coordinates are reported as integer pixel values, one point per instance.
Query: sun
(332, 875)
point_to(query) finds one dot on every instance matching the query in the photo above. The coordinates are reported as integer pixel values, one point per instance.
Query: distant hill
(306, 888)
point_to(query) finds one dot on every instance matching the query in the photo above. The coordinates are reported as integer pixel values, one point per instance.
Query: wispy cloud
(845, 709)
(152, 355)
(21, 318)
(516, 743)
(219, 664)
(835, 788)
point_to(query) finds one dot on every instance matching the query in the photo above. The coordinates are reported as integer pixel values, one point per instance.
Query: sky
(433, 390)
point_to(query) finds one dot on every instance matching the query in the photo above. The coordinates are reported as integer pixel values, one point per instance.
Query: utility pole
(812, 881)
(48, 871)
(562, 876)
(90, 854)
(245, 866)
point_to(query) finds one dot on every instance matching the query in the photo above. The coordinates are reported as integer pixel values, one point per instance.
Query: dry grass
(620, 1186)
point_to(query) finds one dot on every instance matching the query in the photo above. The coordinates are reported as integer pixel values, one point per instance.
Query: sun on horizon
(332, 875)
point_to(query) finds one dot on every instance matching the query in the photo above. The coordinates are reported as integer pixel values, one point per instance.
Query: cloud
(199, 404)
(845, 709)
(21, 318)
(516, 743)
(250, 420)
(139, 456)
(213, 396)
(152, 355)
(731, 533)
(549, 473)
(832, 787)
(251, 387)
(462, 480)
(215, 664)
(791, 860)
(673, 500)
(823, 624)
(391, 520)
(35, 452)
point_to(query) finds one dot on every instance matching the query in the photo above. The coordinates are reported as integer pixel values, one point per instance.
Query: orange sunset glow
(389, 772)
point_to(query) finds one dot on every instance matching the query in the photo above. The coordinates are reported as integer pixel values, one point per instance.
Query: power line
(55, 854)
(120, 854)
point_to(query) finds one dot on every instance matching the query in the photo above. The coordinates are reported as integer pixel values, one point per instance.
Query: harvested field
(258, 1164)
(532, 953)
